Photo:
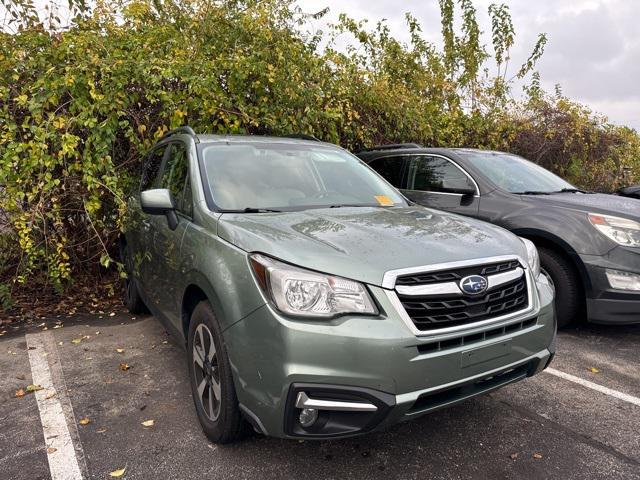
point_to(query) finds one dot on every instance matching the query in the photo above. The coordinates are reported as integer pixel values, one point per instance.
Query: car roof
(369, 155)
(208, 138)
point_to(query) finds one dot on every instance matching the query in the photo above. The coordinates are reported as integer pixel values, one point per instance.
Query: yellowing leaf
(594, 370)
(124, 367)
(76, 341)
(33, 388)
(148, 423)
(84, 421)
(120, 350)
(118, 473)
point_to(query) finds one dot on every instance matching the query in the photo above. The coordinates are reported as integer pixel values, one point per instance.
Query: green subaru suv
(313, 300)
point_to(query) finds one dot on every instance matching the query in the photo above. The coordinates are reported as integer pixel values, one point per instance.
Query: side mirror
(458, 185)
(159, 201)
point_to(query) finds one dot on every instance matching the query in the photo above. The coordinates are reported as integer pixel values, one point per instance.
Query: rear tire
(569, 300)
(132, 299)
(211, 379)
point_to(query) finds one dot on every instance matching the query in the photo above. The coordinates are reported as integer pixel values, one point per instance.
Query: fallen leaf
(20, 377)
(20, 393)
(594, 370)
(537, 456)
(148, 423)
(76, 341)
(33, 388)
(513, 456)
(118, 473)
(84, 421)
(124, 367)
(101, 430)
(120, 350)
(51, 450)
(51, 395)
(112, 314)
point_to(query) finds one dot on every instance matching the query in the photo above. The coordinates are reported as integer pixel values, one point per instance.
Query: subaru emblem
(473, 284)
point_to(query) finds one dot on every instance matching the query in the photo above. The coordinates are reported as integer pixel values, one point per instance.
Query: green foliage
(80, 105)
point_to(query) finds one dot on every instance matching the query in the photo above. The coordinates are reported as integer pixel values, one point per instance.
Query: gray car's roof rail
(391, 146)
(302, 136)
(184, 129)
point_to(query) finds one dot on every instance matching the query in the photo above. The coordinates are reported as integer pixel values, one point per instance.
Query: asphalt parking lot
(554, 425)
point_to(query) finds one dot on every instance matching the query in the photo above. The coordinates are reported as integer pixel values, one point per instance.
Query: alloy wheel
(206, 372)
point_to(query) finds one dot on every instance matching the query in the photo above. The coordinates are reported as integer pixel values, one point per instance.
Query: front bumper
(376, 360)
(605, 304)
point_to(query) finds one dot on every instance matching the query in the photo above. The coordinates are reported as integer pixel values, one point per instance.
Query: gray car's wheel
(132, 299)
(566, 283)
(214, 394)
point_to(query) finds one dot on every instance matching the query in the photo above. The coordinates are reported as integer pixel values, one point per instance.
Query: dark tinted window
(151, 168)
(175, 178)
(436, 174)
(390, 168)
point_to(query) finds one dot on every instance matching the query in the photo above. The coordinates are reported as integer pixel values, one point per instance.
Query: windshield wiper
(341, 205)
(571, 190)
(250, 210)
(531, 192)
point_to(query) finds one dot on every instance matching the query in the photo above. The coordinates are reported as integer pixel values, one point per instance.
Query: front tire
(569, 298)
(211, 379)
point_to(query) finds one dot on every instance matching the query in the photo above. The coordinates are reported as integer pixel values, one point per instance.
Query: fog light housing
(308, 417)
(623, 280)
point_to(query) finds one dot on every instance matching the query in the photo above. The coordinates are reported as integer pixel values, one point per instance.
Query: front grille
(458, 274)
(430, 312)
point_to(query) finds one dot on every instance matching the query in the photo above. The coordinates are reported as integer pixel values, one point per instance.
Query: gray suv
(313, 301)
(589, 243)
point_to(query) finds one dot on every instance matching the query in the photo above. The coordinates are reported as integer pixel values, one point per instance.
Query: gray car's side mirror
(159, 201)
(458, 185)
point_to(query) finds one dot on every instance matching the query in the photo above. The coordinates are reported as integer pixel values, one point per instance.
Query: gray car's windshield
(254, 177)
(515, 174)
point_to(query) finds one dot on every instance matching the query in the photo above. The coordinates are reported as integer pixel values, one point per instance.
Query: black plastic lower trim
(333, 424)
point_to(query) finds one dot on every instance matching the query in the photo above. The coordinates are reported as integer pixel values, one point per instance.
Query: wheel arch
(545, 239)
(197, 289)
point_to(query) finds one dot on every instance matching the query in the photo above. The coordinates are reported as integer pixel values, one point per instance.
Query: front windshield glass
(515, 174)
(282, 176)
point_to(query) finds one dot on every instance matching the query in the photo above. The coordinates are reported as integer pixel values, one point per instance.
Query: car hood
(592, 202)
(363, 243)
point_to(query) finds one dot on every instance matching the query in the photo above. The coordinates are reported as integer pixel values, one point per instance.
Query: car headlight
(621, 230)
(300, 292)
(533, 259)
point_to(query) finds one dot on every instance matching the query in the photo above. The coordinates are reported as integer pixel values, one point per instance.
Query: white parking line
(61, 454)
(594, 386)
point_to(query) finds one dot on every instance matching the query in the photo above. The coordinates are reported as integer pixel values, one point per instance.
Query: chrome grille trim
(452, 288)
(532, 309)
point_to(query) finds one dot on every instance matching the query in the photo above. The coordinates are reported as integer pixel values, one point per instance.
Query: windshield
(515, 174)
(282, 176)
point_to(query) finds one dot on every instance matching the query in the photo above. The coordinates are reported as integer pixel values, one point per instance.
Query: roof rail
(392, 146)
(302, 136)
(184, 129)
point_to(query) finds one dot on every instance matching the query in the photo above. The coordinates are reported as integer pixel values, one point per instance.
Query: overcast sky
(593, 48)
